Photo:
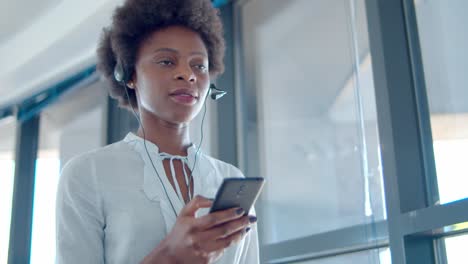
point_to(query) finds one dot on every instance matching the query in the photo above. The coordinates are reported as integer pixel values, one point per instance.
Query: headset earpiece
(119, 73)
(216, 93)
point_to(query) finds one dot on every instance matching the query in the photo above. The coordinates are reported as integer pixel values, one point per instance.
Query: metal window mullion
(422, 103)
(240, 84)
(400, 130)
(245, 116)
(336, 242)
(385, 129)
(119, 122)
(23, 191)
(226, 107)
(433, 219)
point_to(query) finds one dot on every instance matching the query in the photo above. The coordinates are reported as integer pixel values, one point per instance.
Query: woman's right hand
(201, 240)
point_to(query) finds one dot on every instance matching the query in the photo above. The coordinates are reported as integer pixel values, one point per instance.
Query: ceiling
(17, 15)
(44, 42)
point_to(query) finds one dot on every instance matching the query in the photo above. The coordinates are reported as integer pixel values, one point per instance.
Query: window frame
(27, 141)
(28, 120)
(415, 224)
(341, 241)
(415, 218)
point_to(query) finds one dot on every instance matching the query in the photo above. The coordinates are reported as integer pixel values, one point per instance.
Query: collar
(154, 149)
(151, 185)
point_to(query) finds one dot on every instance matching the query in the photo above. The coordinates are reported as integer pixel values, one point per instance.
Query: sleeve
(234, 172)
(250, 253)
(79, 217)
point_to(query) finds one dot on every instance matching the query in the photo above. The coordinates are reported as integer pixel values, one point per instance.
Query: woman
(136, 200)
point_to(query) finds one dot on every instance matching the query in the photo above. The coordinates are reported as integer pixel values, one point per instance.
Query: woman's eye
(165, 62)
(201, 67)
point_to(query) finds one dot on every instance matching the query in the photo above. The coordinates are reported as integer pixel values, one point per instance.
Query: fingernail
(252, 219)
(240, 211)
(247, 230)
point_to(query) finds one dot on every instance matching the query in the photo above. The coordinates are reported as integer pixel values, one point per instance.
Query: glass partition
(310, 125)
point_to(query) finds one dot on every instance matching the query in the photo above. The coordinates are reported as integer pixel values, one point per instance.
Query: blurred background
(355, 112)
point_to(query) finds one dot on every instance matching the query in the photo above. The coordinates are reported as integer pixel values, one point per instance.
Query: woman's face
(172, 75)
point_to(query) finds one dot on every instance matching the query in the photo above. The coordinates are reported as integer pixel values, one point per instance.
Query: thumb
(196, 203)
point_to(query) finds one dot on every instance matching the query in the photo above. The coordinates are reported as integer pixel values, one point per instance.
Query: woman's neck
(169, 137)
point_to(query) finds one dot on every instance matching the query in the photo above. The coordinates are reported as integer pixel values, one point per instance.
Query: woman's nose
(186, 73)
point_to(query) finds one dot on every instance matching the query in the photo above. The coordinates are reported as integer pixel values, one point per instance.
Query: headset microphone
(216, 93)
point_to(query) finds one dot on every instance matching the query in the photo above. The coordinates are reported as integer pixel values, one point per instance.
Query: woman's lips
(186, 99)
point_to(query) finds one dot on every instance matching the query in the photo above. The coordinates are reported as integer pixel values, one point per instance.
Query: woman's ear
(132, 81)
(131, 84)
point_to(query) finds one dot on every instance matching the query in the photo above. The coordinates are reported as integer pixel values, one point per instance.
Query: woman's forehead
(175, 39)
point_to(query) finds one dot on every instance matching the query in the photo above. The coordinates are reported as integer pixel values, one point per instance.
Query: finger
(196, 203)
(217, 218)
(225, 230)
(226, 242)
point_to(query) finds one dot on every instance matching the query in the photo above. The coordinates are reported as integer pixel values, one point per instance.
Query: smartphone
(237, 192)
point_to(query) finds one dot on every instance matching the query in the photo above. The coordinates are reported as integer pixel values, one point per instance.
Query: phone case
(237, 192)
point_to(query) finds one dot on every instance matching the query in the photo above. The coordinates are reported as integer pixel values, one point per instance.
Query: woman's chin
(183, 119)
(173, 117)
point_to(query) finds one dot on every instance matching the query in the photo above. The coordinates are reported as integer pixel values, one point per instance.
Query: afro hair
(135, 20)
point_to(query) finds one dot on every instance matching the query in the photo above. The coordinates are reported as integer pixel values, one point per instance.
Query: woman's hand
(201, 240)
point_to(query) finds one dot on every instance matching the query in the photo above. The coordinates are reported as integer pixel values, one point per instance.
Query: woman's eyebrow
(176, 51)
(165, 50)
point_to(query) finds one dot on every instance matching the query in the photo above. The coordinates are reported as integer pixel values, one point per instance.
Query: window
(455, 247)
(310, 125)
(71, 126)
(7, 175)
(443, 41)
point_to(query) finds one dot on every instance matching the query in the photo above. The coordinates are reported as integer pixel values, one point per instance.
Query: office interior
(354, 111)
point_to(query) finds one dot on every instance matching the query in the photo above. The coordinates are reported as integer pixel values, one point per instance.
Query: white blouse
(112, 208)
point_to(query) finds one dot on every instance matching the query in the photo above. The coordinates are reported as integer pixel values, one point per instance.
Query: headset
(122, 76)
